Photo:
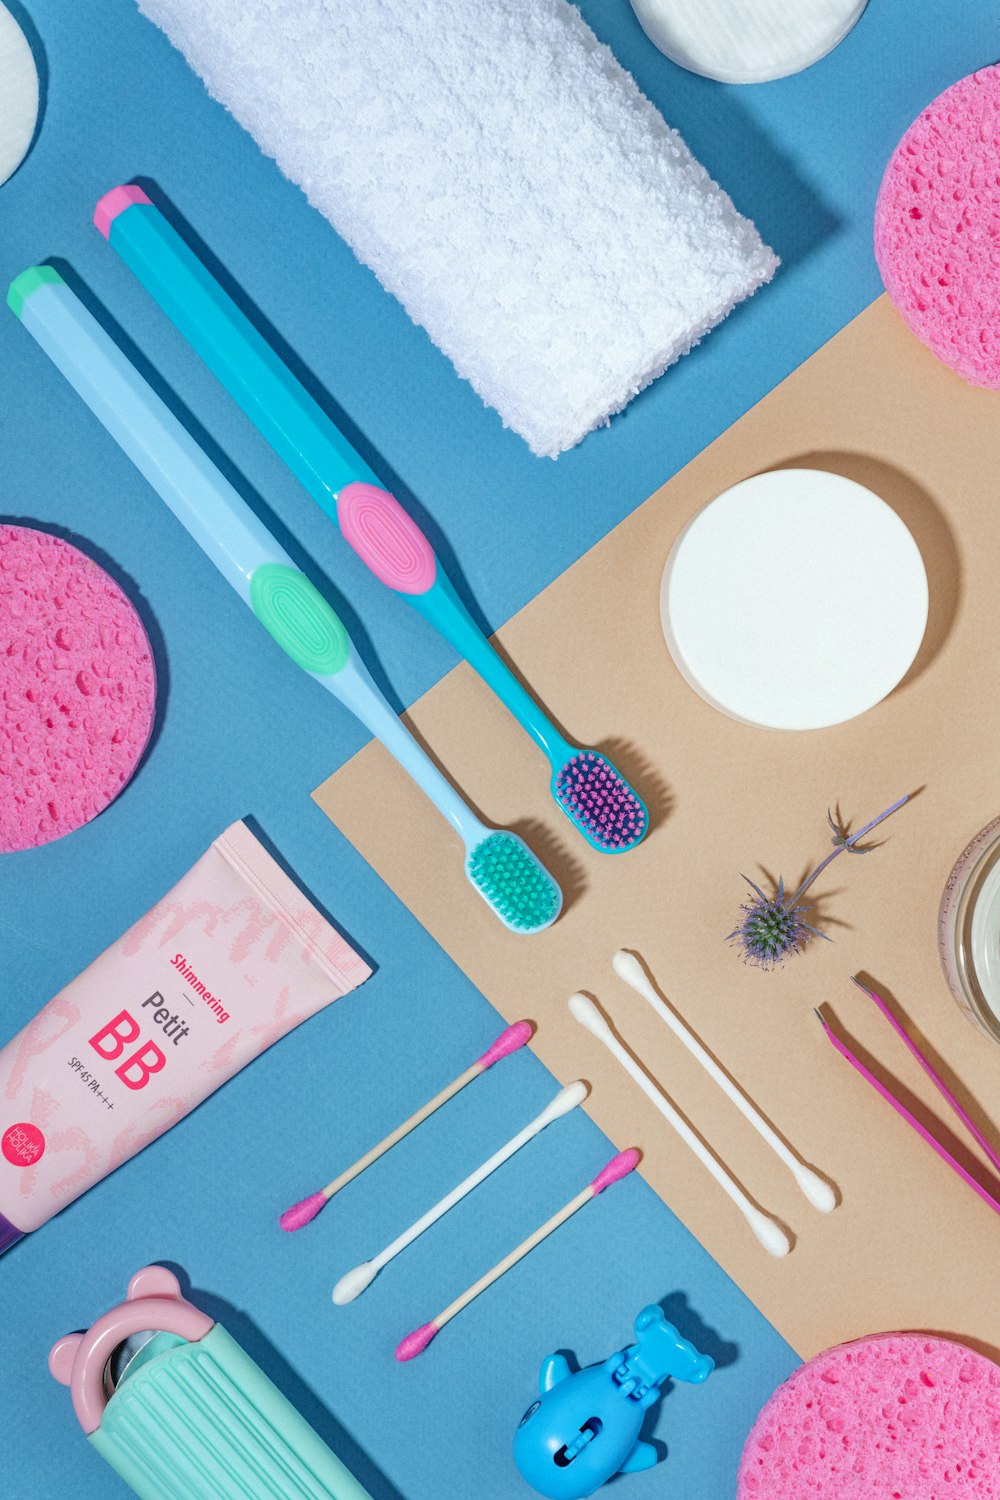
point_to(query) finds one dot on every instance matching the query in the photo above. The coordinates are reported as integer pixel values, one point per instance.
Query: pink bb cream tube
(230, 960)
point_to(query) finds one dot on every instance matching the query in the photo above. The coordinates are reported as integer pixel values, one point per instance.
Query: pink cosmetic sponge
(896, 1417)
(937, 227)
(77, 688)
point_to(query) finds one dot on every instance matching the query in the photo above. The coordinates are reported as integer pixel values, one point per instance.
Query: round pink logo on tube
(22, 1144)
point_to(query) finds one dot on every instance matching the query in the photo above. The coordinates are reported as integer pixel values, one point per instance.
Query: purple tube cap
(9, 1233)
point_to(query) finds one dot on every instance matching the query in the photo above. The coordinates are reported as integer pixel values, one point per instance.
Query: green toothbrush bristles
(519, 889)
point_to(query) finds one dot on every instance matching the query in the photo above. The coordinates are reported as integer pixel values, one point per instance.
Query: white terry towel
(503, 177)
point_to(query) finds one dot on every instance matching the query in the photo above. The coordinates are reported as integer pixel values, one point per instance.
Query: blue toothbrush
(586, 786)
(498, 863)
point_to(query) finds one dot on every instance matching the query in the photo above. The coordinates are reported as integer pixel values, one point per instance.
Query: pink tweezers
(901, 1108)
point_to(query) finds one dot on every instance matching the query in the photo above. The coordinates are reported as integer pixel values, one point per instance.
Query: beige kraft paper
(911, 1246)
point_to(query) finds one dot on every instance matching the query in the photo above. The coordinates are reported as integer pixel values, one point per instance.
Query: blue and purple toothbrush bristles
(598, 799)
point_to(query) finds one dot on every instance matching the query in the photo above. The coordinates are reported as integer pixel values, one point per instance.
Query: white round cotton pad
(18, 95)
(747, 41)
(795, 600)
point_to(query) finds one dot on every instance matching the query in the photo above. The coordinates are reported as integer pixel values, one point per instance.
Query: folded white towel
(501, 174)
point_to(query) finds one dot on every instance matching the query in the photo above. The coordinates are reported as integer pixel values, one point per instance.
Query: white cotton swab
(768, 1231)
(618, 1167)
(353, 1283)
(507, 1042)
(820, 1193)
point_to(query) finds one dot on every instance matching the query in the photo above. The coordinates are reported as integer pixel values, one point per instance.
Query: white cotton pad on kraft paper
(795, 600)
(747, 41)
(18, 95)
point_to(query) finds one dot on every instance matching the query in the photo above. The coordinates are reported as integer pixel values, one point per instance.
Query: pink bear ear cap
(115, 203)
(507, 1042)
(618, 1167)
(61, 1357)
(154, 1281)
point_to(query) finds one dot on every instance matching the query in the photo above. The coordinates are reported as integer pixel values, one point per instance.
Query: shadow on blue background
(706, 1339)
(719, 125)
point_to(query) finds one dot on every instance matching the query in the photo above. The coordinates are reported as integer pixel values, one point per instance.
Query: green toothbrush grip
(295, 613)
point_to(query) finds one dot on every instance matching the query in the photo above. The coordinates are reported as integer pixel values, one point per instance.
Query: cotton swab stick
(353, 1283)
(768, 1231)
(618, 1167)
(507, 1042)
(820, 1193)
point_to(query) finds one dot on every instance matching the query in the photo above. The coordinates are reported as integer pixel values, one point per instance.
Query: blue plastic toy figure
(585, 1427)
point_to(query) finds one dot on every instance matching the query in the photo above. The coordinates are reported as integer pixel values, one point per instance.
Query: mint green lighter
(181, 1412)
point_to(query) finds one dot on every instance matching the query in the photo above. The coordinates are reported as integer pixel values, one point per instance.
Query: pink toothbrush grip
(386, 539)
(618, 1167)
(507, 1042)
(116, 202)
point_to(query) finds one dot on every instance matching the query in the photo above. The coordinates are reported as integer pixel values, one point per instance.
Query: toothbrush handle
(306, 439)
(295, 613)
(391, 545)
(298, 430)
(286, 603)
(145, 429)
(355, 688)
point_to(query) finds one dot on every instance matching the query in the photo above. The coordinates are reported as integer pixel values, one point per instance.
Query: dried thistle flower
(773, 927)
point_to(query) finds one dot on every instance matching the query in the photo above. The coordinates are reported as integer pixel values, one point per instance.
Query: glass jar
(969, 930)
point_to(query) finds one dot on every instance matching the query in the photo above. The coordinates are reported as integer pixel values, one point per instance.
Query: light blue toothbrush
(498, 864)
(586, 786)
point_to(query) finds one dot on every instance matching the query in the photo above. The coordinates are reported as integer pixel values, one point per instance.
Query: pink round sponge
(77, 688)
(896, 1417)
(937, 223)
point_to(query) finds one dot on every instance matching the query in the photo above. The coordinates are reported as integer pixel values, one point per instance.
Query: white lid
(795, 600)
(747, 41)
(18, 95)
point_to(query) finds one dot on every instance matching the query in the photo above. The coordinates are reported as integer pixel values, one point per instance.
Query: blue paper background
(239, 733)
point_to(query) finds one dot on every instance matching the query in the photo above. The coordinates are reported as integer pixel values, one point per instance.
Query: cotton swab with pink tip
(618, 1167)
(354, 1282)
(510, 1040)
